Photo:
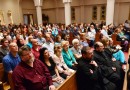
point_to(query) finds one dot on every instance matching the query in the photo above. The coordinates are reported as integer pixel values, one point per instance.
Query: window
(94, 13)
(103, 13)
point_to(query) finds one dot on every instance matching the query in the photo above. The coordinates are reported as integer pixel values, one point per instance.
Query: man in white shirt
(49, 44)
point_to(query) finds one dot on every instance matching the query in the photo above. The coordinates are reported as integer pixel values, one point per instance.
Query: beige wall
(55, 10)
(94, 2)
(121, 12)
(61, 15)
(51, 14)
(47, 4)
(13, 6)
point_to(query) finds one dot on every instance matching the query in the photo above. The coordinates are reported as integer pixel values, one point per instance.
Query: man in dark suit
(88, 73)
(107, 66)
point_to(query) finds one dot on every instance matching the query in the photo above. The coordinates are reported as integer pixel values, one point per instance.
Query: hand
(91, 71)
(59, 78)
(74, 65)
(124, 67)
(67, 72)
(52, 87)
(94, 63)
(113, 59)
(113, 68)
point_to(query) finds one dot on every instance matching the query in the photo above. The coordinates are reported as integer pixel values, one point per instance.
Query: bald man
(35, 49)
(11, 60)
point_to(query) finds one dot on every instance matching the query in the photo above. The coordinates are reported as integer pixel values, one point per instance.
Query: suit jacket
(85, 79)
(104, 63)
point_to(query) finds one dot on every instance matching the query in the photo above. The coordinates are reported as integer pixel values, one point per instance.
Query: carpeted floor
(126, 56)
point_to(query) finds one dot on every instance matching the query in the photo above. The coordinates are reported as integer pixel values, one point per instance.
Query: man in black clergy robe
(88, 73)
(107, 66)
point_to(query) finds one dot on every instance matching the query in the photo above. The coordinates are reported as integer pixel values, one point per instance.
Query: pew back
(69, 83)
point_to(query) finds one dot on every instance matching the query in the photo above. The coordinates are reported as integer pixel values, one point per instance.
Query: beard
(31, 60)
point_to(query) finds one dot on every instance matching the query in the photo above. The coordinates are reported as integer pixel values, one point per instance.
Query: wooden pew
(98, 36)
(115, 42)
(69, 83)
(71, 37)
(11, 81)
(125, 78)
(1, 72)
(5, 85)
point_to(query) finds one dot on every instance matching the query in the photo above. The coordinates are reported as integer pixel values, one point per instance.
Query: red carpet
(126, 56)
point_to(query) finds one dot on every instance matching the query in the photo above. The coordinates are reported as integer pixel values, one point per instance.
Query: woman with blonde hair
(68, 56)
(63, 69)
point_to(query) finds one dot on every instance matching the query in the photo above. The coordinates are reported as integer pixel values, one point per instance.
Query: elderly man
(110, 69)
(35, 49)
(40, 39)
(31, 74)
(49, 44)
(89, 76)
(76, 49)
(11, 60)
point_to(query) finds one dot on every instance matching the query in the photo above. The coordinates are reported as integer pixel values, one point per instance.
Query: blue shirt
(10, 62)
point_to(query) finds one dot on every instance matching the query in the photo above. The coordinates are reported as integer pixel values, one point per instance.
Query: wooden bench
(98, 36)
(69, 83)
(115, 42)
(125, 78)
(6, 86)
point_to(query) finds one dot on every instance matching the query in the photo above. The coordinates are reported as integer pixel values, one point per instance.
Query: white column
(38, 4)
(110, 12)
(67, 11)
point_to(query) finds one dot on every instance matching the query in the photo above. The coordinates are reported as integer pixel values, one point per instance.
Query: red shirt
(31, 78)
(36, 52)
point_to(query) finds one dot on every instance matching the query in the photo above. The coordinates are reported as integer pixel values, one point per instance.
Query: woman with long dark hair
(48, 61)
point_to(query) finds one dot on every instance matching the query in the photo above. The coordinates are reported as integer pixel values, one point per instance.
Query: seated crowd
(42, 57)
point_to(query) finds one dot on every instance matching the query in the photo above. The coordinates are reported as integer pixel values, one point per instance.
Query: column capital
(67, 1)
(38, 2)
